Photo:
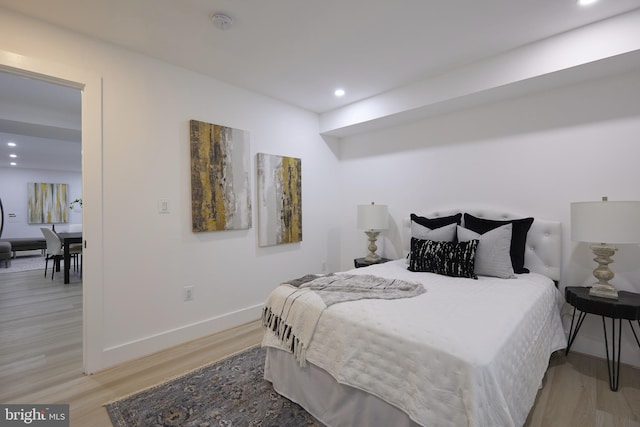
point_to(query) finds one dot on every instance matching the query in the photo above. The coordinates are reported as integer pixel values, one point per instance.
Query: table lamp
(603, 224)
(373, 218)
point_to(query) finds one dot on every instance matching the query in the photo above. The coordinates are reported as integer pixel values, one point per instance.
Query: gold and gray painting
(279, 199)
(47, 203)
(220, 191)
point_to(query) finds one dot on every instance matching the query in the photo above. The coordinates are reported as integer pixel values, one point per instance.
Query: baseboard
(630, 353)
(118, 354)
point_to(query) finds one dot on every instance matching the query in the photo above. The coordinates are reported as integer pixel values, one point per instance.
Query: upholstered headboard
(544, 241)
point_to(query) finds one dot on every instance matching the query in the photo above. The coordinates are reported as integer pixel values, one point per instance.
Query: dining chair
(55, 251)
(76, 248)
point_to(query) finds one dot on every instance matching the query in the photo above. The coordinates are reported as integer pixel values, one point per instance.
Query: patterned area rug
(228, 393)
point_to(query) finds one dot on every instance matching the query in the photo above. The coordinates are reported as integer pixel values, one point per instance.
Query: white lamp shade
(373, 217)
(605, 222)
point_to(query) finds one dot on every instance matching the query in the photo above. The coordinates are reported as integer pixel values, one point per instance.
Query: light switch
(163, 206)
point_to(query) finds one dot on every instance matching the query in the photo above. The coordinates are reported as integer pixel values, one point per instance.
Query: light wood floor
(41, 362)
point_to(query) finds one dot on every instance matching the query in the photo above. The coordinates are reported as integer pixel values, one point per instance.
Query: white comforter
(465, 353)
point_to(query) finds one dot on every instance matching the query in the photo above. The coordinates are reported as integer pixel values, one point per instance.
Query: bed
(466, 352)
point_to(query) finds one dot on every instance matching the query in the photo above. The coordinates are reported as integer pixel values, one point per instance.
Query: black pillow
(434, 223)
(446, 258)
(518, 237)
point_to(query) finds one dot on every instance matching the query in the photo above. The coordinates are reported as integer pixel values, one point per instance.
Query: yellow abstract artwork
(279, 199)
(47, 203)
(220, 191)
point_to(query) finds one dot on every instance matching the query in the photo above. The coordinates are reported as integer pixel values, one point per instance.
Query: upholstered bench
(5, 254)
(25, 244)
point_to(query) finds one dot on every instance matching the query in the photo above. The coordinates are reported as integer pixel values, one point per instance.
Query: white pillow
(493, 253)
(442, 234)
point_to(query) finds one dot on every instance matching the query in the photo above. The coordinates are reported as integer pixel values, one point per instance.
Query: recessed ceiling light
(339, 92)
(13, 156)
(11, 144)
(13, 163)
(586, 2)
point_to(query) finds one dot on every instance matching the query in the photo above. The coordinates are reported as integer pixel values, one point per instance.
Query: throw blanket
(292, 310)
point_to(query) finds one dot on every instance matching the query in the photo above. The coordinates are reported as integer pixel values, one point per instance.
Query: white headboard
(543, 253)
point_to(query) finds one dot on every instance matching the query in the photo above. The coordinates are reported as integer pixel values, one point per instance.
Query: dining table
(67, 239)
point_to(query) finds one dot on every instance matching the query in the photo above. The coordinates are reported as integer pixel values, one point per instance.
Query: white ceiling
(299, 51)
(43, 120)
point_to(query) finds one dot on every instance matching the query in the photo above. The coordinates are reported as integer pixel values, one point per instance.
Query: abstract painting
(47, 203)
(279, 199)
(220, 191)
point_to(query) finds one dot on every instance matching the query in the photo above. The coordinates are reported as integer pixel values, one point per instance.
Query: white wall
(149, 257)
(13, 192)
(534, 155)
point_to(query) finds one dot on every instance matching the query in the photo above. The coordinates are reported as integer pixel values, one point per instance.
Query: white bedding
(466, 352)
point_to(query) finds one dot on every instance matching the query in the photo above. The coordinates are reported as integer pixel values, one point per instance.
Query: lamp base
(603, 288)
(372, 256)
(603, 291)
(373, 259)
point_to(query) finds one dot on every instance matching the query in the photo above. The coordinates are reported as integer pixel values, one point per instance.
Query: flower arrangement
(78, 201)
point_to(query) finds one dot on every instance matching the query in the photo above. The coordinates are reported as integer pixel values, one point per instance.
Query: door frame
(90, 85)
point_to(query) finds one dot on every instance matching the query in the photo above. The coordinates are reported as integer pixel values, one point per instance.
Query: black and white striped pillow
(446, 258)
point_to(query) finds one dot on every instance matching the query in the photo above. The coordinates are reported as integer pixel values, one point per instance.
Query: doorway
(89, 86)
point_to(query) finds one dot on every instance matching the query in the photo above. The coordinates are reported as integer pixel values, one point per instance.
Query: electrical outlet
(187, 293)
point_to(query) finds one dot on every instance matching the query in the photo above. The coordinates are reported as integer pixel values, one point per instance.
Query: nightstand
(362, 262)
(627, 306)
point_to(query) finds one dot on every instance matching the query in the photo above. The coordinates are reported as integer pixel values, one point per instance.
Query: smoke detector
(221, 21)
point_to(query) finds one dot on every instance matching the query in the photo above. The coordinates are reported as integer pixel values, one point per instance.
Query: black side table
(362, 262)
(627, 306)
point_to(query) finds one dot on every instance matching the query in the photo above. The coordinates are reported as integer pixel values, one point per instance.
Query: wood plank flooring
(41, 362)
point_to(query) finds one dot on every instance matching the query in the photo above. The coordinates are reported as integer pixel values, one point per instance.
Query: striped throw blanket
(293, 309)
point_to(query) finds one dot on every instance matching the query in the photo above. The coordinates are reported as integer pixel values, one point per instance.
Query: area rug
(229, 393)
(24, 263)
